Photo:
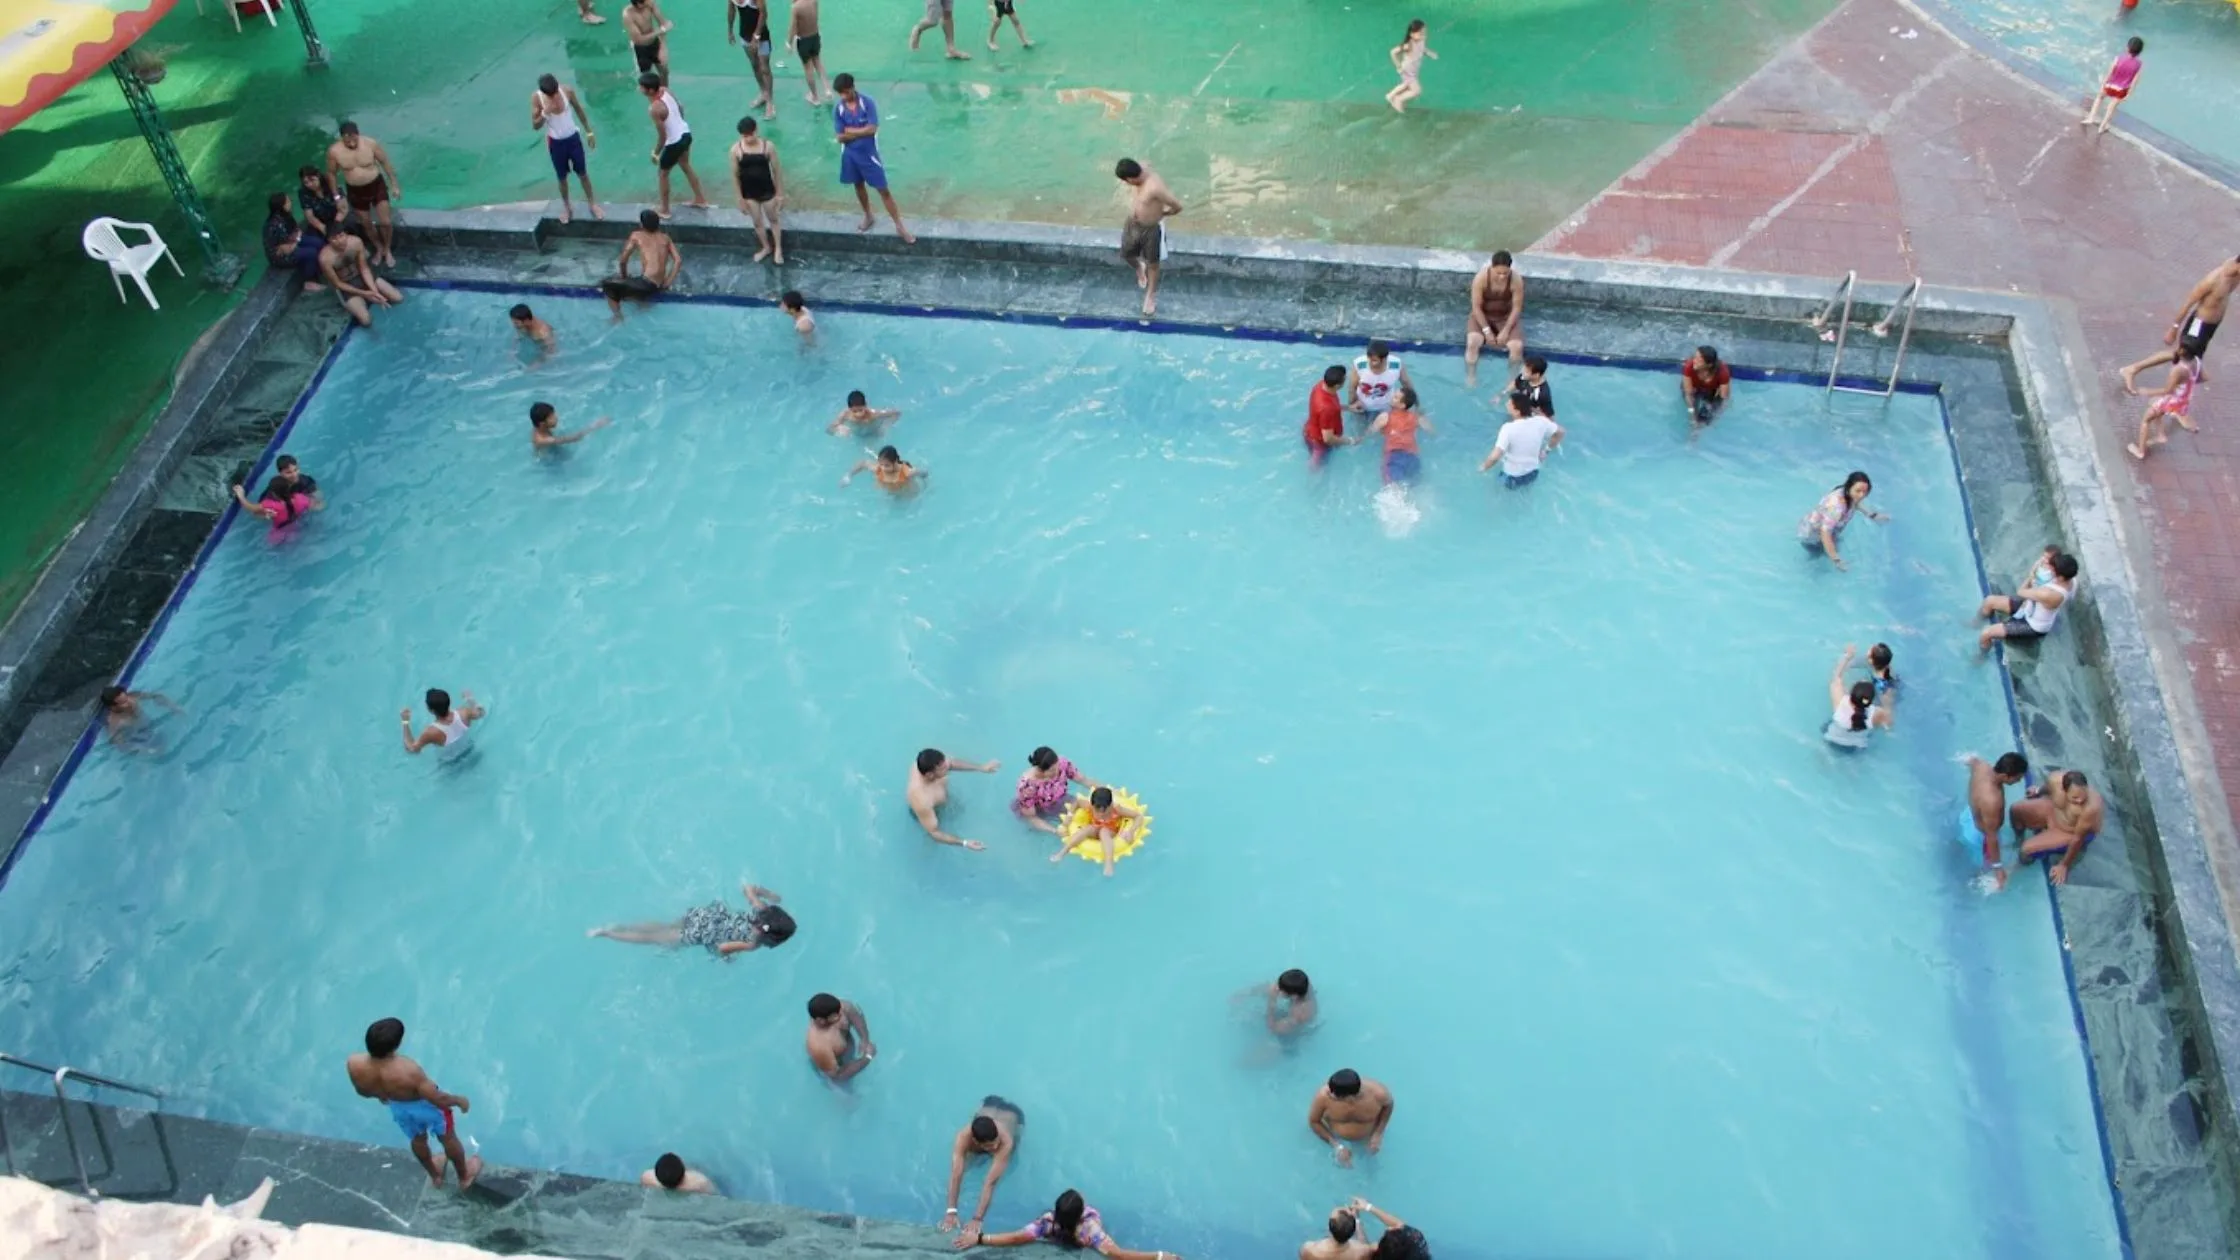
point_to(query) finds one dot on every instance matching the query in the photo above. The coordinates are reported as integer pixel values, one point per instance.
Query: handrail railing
(1845, 292)
(1911, 302)
(1842, 294)
(61, 1076)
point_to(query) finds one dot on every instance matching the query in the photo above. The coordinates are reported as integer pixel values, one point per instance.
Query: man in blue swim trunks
(1986, 814)
(855, 126)
(414, 1101)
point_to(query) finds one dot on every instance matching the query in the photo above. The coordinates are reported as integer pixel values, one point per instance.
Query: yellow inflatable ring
(1130, 838)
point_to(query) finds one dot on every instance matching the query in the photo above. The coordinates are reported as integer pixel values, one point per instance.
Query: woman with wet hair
(1070, 1224)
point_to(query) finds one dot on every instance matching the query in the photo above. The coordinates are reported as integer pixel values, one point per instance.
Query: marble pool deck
(2144, 928)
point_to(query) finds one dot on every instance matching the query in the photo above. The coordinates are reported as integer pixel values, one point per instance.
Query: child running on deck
(1108, 820)
(1399, 426)
(1407, 58)
(2121, 76)
(2174, 403)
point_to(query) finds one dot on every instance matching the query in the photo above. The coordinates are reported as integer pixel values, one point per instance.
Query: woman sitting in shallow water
(716, 927)
(1042, 789)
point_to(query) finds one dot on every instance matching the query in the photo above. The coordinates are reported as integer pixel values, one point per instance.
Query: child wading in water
(2121, 76)
(2174, 403)
(1407, 58)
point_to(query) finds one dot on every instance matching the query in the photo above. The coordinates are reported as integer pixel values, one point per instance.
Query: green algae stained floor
(1267, 118)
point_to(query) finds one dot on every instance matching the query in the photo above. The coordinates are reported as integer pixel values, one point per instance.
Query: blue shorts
(1401, 466)
(862, 167)
(420, 1118)
(567, 155)
(1526, 480)
(1970, 838)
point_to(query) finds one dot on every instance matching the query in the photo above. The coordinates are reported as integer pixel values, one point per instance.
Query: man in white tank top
(672, 140)
(1376, 381)
(449, 731)
(2032, 611)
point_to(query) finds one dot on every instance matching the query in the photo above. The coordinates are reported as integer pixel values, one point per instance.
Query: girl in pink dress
(2174, 403)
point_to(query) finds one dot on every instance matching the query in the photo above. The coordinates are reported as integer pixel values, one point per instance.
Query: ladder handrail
(1843, 293)
(61, 1076)
(1908, 303)
(1911, 302)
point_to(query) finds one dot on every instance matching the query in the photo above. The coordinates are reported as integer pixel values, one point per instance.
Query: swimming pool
(1530, 783)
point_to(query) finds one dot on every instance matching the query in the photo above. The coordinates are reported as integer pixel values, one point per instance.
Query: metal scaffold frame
(219, 268)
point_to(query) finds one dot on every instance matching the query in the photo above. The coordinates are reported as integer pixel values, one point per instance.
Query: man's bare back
(657, 256)
(804, 18)
(394, 1079)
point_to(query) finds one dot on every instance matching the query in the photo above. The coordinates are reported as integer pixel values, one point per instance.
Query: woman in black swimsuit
(754, 161)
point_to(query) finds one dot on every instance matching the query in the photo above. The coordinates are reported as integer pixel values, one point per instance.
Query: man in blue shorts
(855, 125)
(414, 1101)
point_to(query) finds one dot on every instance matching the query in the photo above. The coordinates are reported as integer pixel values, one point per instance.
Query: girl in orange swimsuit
(890, 470)
(1107, 821)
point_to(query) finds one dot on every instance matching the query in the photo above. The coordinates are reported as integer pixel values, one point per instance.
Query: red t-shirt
(1709, 380)
(1326, 419)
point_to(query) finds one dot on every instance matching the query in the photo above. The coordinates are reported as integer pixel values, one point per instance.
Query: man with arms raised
(2066, 817)
(1350, 1109)
(994, 1132)
(929, 791)
(362, 167)
(414, 1101)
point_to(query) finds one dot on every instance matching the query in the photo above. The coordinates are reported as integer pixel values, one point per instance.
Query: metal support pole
(314, 52)
(219, 268)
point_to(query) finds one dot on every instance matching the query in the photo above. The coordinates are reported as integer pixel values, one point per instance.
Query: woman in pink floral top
(1820, 528)
(1043, 788)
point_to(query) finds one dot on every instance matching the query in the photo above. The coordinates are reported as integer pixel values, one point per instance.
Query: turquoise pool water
(1530, 782)
(2190, 86)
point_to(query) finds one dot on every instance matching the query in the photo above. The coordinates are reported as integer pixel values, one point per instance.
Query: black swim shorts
(649, 56)
(808, 46)
(2197, 336)
(674, 153)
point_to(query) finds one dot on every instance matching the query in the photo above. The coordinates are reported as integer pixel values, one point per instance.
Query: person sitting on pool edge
(2033, 611)
(839, 1040)
(893, 473)
(1107, 821)
(1856, 714)
(994, 1132)
(450, 730)
(1073, 1226)
(861, 416)
(1818, 532)
(1986, 811)
(544, 428)
(1350, 1108)
(287, 494)
(714, 927)
(659, 260)
(1705, 385)
(2067, 817)
(526, 324)
(1043, 788)
(669, 1173)
(1399, 423)
(928, 791)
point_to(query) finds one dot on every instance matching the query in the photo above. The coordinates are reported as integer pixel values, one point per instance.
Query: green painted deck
(1266, 117)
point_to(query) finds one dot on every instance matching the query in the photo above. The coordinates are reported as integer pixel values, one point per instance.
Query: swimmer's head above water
(1862, 701)
(1334, 375)
(1344, 1083)
(383, 1036)
(1857, 487)
(1407, 399)
(649, 221)
(1293, 984)
(1535, 368)
(1043, 758)
(669, 1171)
(1379, 351)
(543, 416)
(1342, 1225)
(791, 302)
(2010, 767)
(439, 702)
(933, 763)
(112, 696)
(985, 1133)
(1101, 798)
(773, 925)
(521, 316)
(856, 400)
(889, 455)
(824, 1010)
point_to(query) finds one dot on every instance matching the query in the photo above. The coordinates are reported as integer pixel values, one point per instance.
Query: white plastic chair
(104, 245)
(269, 7)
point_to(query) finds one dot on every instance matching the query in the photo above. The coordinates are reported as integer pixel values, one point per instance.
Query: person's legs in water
(640, 933)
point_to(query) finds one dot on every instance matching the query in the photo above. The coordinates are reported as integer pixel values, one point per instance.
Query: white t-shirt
(1522, 442)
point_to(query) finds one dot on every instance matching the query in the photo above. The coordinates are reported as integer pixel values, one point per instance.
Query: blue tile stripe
(162, 619)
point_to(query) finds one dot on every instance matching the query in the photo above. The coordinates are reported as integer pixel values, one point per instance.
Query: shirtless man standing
(348, 267)
(1987, 806)
(2196, 324)
(1496, 315)
(808, 44)
(994, 1132)
(414, 1101)
(648, 31)
(2067, 817)
(1350, 1109)
(1143, 238)
(658, 263)
(929, 791)
(839, 1041)
(362, 167)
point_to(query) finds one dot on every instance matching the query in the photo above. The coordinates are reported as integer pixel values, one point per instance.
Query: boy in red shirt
(1705, 384)
(1326, 417)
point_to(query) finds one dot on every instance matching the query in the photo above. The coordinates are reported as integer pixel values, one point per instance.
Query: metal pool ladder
(1845, 288)
(62, 1075)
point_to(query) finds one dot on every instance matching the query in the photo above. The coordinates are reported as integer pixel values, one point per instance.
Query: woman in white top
(1856, 714)
(449, 731)
(2033, 611)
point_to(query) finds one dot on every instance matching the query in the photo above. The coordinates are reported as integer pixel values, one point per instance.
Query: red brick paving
(1954, 170)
